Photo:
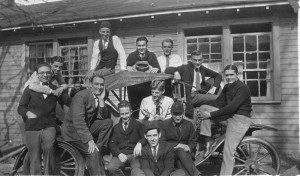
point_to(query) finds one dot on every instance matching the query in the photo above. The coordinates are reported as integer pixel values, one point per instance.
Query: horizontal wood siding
(12, 77)
(284, 116)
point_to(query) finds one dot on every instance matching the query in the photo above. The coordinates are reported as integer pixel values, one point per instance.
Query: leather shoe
(208, 146)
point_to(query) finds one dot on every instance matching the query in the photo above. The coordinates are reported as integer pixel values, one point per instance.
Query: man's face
(56, 67)
(141, 46)
(44, 74)
(167, 48)
(77, 86)
(125, 114)
(230, 76)
(197, 60)
(156, 94)
(152, 137)
(105, 33)
(97, 85)
(177, 118)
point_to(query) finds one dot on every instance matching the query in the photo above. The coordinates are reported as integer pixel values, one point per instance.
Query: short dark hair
(158, 85)
(99, 76)
(42, 64)
(231, 67)
(168, 41)
(143, 38)
(196, 53)
(57, 59)
(124, 104)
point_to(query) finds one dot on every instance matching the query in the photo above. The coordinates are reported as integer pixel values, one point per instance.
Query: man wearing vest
(106, 52)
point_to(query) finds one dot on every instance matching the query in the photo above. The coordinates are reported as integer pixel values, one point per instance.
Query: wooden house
(260, 36)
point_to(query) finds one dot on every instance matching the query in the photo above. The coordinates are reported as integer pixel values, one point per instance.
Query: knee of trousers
(112, 167)
(180, 153)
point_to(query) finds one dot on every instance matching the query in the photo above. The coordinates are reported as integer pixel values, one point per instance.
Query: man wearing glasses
(55, 78)
(38, 112)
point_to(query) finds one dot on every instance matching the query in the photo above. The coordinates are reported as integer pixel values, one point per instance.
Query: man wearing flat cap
(106, 52)
(181, 134)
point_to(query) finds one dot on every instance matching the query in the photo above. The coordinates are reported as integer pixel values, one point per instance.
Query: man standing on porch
(168, 60)
(106, 52)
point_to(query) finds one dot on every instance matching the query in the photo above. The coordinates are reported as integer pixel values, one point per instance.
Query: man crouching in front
(86, 125)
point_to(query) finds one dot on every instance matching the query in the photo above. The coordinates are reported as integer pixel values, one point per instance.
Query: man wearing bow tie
(87, 125)
(157, 106)
(126, 134)
(194, 75)
(182, 135)
(38, 112)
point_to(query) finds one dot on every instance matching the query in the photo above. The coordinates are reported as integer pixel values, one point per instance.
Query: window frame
(227, 47)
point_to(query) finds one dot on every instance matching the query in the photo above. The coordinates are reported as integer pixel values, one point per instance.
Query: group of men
(159, 139)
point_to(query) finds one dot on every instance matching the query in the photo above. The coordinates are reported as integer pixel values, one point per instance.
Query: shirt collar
(159, 101)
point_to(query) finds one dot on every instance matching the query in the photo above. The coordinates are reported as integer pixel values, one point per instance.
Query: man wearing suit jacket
(87, 121)
(126, 134)
(157, 157)
(38, 112)
(193, 74)
(181, 134)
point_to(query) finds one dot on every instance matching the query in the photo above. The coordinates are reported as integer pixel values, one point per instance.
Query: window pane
(263, 88)
(217, 56)
(264, 42)
(252, 75)
(32, 65)
(191, 48)
(238, 44)
(73, 52)
(262, 75)
(216, 39)
(49, 50)
(253, 86)
(40, 51)
(191, 40)
(251, 61)
(216, 47)
(251, 43)
(203, 40)
(65, 51)
(204, 48)
(238, 57)
(32, 51)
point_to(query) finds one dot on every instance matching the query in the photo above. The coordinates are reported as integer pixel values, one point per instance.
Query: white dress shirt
(117, 45)
(149, 105)
(194, 83)
(174, 61)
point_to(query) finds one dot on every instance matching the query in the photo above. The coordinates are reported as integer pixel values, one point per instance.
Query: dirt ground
(207, 168)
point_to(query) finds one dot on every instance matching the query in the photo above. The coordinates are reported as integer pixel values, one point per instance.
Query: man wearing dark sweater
(182, 135)
(136, 93)
(194, 76)
(233, 108)
(38, 112)
(126, 134)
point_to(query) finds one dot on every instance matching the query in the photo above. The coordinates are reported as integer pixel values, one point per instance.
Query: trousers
(184, 161)
(115, 166)
(236, 128)
(38, 142)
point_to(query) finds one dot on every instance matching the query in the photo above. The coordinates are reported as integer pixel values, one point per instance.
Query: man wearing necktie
(125, 136)
(38, 112)
(194, 75)
(157, 106)
(168, 59)
(106, 52)
(157, 156)
(182, 135)
(87, 125)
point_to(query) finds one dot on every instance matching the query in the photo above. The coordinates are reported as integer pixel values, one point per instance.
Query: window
(211, 48)
(76, 59)
(251, 52)
(39, 52)
(252, 47)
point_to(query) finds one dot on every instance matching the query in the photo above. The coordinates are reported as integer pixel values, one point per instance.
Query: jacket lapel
(191, 70)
